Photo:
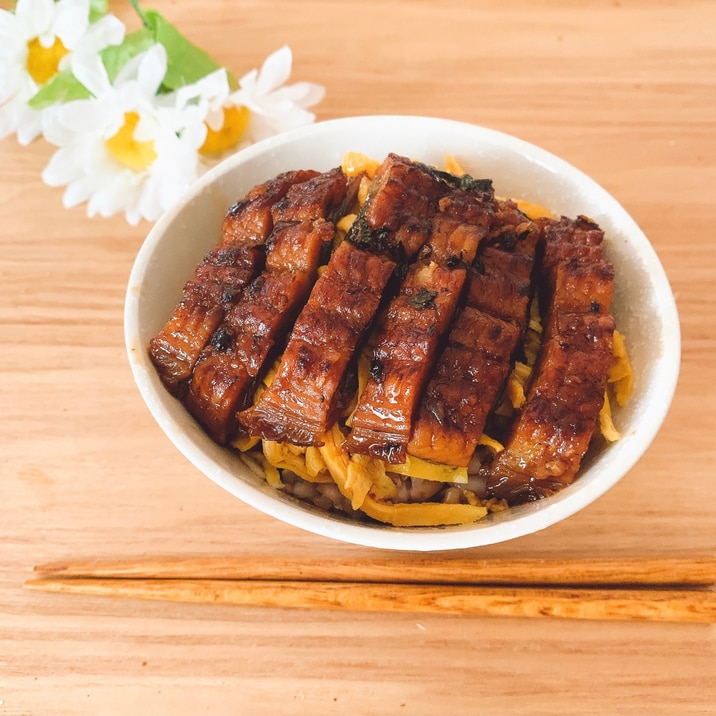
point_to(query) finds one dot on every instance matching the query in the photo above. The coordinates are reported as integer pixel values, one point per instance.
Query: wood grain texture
(673, 605)
(697, 570)
(624, 91)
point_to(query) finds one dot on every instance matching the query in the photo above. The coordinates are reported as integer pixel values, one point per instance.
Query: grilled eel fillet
(554, 429)
(414, 326)
(472, 369)
(304, 398)
(224, 377)
(218, 281)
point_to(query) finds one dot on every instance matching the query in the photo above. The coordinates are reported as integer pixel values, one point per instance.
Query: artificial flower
(272, 105)
(122, 150)
(36, 41)
(136, 117)
(208, 96)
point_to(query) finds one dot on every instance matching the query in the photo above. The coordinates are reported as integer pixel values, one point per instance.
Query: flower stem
(139, 12)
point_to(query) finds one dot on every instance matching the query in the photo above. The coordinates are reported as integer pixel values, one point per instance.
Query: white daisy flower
(36, 41)
(123, 150)
(206, 98)
(262, 106)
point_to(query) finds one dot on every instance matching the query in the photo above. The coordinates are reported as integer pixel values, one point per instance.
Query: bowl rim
(541, 514)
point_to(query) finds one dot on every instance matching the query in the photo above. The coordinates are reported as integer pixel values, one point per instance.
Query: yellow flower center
(236, 119)
(126, 149)
(43, 62)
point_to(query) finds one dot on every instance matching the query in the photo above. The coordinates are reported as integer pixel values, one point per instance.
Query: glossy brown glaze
(412, 331)
(223, 380)
(470, 373)
(404, 352)
(218, 281)
(300, 404)
(555, 427)
(464, 388)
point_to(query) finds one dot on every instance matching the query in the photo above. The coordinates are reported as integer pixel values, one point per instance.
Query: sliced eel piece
(470, 373)
(564, 235)
(500, 284)
(403, 355)
(218, 281)
(250, 221)
(466, 383)
(396, 218)
(326, 196)
(412, 332)
(500, 281)
(555, 427)
(225, 374)
(553, 432)
(300, 404)
(580, 285)
(394, 223)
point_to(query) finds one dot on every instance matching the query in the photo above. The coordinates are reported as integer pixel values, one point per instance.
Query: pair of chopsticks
(673, 588)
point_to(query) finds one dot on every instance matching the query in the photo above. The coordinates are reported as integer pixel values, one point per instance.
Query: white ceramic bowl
(643, 305)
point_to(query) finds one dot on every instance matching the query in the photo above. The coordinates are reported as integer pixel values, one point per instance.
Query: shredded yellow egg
(453, 166)
(533, 211)
(355, 163)
(621, 375)
(606, 424)
(273, 476)
(285, 456)
(422, 514)
(495, 446)
(426, 470)
(346, 222)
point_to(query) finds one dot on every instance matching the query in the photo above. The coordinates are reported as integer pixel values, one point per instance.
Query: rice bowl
(643, 305)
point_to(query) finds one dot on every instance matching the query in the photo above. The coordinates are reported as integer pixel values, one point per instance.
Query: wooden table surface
(626, 91)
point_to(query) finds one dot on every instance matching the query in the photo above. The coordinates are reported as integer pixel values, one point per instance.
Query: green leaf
(63, 87)
(186, 63)
(115, 57)
(98, 9)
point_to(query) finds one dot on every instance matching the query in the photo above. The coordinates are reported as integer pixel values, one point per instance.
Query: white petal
(10, 82)
(78, 191)
(62, 168)
(147, 128)
(214, 88)
(215, 118)
(88, 117)
(35, 14)
(30, 126)
(194, 135)
(90, 71)
(304, 94)
(275, 71)
(152, 69)
(9, 117)
(248, 81)
(10, 29)
(71, 22)
(110, 197)
(108, 30)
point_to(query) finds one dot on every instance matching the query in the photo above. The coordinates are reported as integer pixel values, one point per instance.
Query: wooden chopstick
(666, 605)
(691, 570)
